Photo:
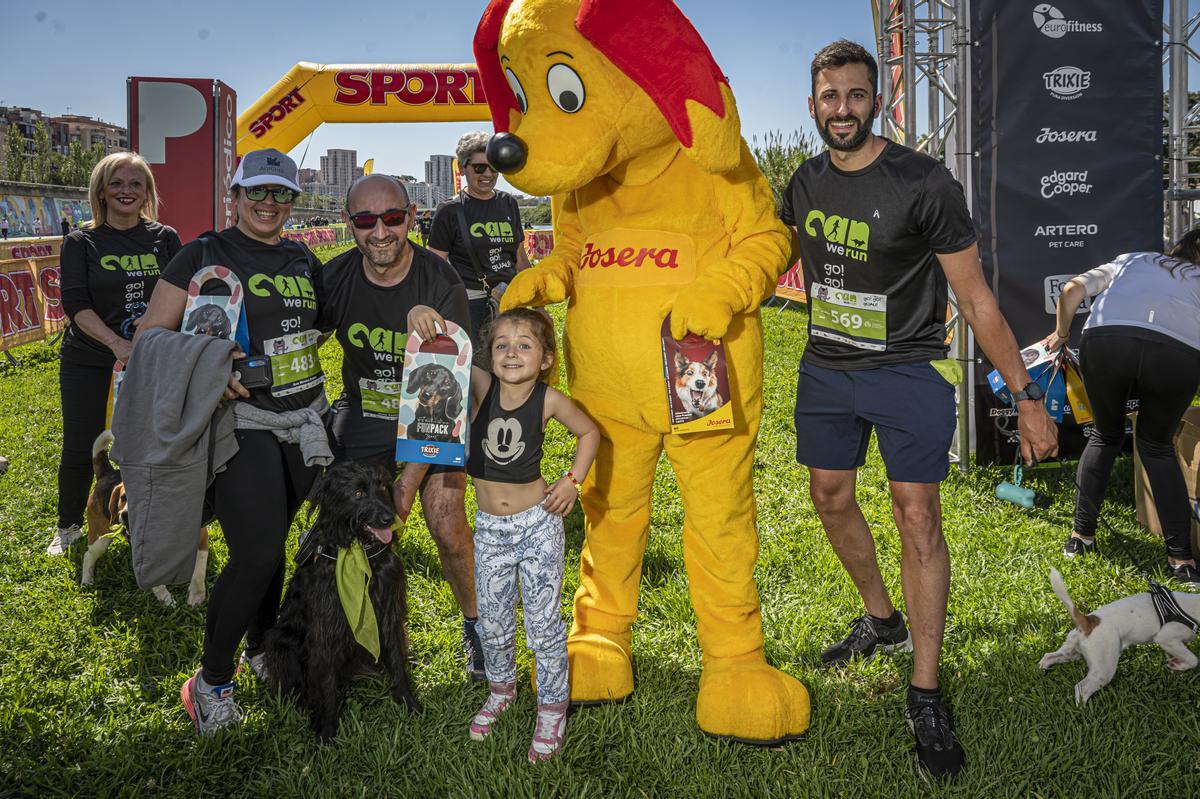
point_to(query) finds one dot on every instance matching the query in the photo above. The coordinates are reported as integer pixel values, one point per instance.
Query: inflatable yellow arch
(314, 93)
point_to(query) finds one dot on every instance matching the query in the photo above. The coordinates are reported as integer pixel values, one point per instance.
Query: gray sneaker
(256, 663)
(63, 538)
(211, 707)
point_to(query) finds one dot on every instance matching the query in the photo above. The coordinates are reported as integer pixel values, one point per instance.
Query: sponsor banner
(790, 285)
(54, 318)
(20, 304)
(314, 93)
(181, 126)
(1062, 182)
(312, 236)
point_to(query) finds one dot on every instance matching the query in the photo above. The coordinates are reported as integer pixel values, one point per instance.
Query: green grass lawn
(89, 677)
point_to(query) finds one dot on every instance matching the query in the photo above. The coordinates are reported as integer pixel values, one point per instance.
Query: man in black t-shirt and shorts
(371, 298)
(880, 230)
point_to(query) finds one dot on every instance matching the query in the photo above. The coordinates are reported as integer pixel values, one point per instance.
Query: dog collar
(378, 548)
(1167, 607)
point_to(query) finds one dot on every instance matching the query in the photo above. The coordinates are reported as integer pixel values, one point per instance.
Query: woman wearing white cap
(259, 492)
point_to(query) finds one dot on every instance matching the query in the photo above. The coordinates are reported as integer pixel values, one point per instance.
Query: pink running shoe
(549, 733)
(496, 704)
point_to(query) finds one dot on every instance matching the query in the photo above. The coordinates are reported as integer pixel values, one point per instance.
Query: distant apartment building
(439, 174)
(339, 168)
(424, 195)
(88, 132)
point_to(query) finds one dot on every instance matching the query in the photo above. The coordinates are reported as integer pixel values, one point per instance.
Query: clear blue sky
(77, 54)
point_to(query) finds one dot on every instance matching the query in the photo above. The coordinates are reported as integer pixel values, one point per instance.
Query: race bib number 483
(294, 362)
(849, 317)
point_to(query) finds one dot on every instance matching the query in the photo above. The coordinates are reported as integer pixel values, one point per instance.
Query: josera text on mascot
(618, 107)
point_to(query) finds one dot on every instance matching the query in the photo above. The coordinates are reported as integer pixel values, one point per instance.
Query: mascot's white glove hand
(697, 309)
(539, 285)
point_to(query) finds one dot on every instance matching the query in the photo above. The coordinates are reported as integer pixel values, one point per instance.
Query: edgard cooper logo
(1051, 22)
(1067, 83)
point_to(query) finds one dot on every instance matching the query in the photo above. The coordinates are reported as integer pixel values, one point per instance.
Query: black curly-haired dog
(311, 653)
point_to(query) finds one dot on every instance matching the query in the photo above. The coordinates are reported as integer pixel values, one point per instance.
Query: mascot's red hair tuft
(663, 54)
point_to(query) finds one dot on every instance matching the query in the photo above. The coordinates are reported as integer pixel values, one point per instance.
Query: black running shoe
(1185, 574)
(472, 651)
(939, 754)
(1078, 546)
(868, 636)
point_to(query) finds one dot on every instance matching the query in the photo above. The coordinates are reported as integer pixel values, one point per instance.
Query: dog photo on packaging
(346, 598)
(1099, 637)
(107, 507)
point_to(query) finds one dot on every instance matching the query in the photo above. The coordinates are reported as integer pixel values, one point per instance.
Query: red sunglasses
(393, 217)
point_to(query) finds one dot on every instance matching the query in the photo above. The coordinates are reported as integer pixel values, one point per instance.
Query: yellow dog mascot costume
(618, 106)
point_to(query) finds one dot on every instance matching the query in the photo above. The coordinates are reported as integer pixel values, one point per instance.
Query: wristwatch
(1032, 391)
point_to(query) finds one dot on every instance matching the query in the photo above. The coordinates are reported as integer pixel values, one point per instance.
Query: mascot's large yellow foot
(601, 667)
(746, 700)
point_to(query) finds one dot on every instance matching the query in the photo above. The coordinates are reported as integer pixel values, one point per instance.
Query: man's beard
(855, 141)
(383, 257)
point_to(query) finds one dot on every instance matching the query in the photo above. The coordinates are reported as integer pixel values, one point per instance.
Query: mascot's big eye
(566, 88)
(517, 90)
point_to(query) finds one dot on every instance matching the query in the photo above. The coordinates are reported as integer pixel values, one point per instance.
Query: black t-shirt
(868, 243)
(495, 229)
(371, 324)
(279, 305)
(111, 272)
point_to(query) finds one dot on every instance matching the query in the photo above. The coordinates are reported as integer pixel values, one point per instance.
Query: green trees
(779, 155)
(14, 155)
(535, 215)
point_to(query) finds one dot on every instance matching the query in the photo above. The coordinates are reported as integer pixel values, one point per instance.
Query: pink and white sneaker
(549, 732)
(496, 704)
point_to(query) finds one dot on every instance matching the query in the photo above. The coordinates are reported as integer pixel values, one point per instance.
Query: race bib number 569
(849, 317)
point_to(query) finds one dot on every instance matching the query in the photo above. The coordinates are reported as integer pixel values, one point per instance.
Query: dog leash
(1167, 607)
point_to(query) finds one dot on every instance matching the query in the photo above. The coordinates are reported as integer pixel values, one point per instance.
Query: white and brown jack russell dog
(1167, 618)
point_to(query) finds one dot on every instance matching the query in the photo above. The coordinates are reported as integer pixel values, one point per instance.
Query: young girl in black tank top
(519, 527)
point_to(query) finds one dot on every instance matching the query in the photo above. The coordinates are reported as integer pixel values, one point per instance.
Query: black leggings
(255, 499)
(83, 386)
(1118, 364)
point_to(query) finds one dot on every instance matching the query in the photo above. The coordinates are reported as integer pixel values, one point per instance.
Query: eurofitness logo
(1047, 136)
(1051, 22)
(1067, 83)
(1068, 183)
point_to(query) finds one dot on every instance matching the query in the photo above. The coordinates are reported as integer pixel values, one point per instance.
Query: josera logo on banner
(1067, 130)
(185, 128)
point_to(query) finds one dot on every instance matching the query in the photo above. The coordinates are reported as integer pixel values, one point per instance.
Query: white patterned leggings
(528, 545)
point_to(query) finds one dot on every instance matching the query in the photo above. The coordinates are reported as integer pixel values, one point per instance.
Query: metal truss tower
(1183, 121)
(924, 54)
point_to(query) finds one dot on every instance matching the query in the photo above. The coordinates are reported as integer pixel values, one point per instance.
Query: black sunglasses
(365, 220)
(259, 193)
(479, 169)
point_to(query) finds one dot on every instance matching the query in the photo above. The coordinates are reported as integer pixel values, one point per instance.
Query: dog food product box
(1045, 369)
(435, 399)
(697, 383)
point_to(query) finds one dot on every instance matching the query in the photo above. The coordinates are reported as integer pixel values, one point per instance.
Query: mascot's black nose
(506, 152)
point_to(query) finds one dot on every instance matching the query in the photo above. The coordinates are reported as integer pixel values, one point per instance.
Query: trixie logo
(411, 87)
(1048, 136)
(1051, 22)
(286, 105)
(1068, 183)
(593, 258)
(430, 450)
(1067, 83)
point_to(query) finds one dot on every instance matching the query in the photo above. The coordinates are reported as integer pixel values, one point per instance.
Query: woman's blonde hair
(103, 173)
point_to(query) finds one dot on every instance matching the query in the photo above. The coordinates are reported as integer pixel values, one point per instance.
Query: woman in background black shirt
(107, 272)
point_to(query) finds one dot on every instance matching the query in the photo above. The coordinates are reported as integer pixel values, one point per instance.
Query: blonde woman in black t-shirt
(108, 271)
